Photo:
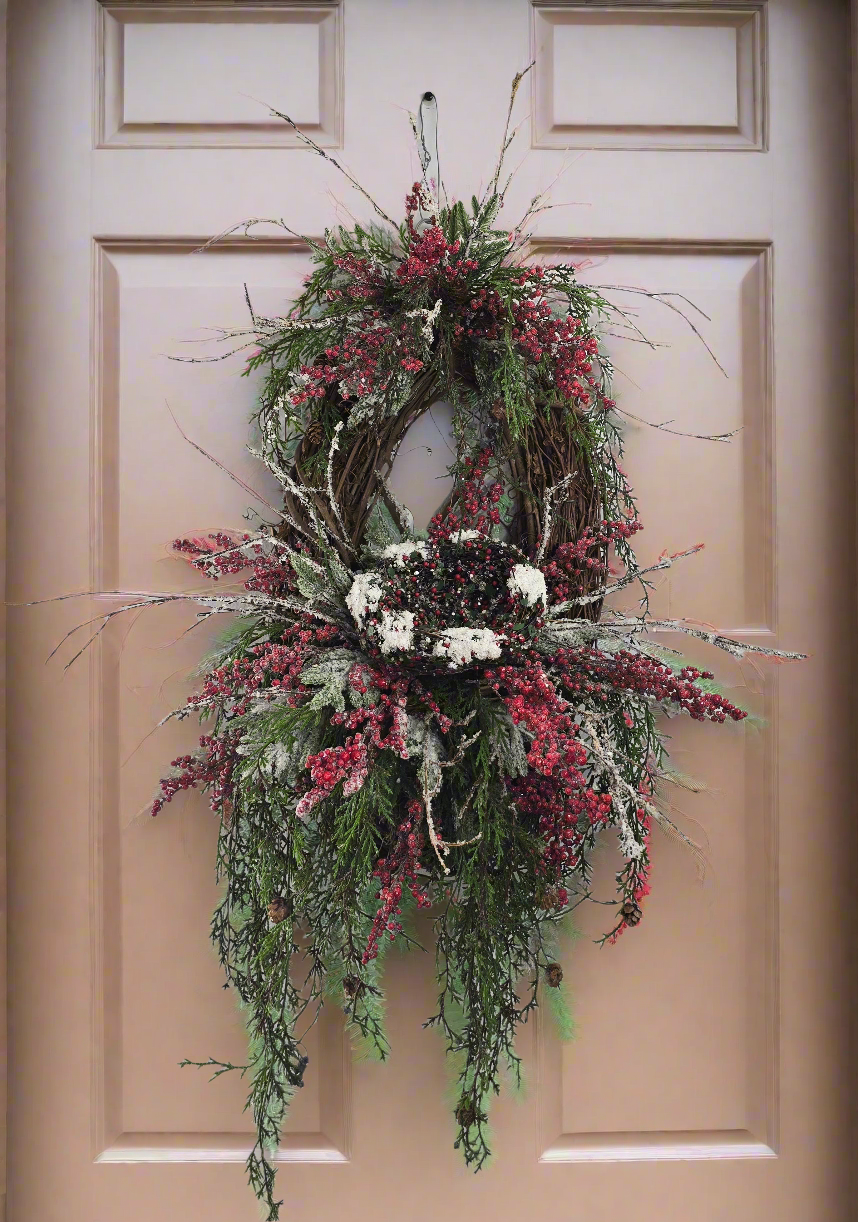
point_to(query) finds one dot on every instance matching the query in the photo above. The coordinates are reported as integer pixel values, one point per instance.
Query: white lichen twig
(335, 445)
(622, 789)
(712, 637)
(633, 575)
(246, 604)
(551, 493)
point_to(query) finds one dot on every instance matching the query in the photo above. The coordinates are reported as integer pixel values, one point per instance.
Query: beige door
(708, 157)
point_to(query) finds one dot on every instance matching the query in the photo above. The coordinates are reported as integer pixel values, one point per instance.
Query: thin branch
(317, 148)
(247, 488)
(663, 427)
(507, 138)
(662, 299)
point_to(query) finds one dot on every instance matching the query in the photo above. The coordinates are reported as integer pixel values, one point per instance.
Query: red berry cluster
(634, 672)
(475, 503)
(533, 703)
(220, 554)
(365, 361)
(398, 868)
(349, 763)
(362, 280)
(382, 728)
(266, 672)
(542, 335)
(573, 566)
(431, 262)
(212, 770)
(555, 793)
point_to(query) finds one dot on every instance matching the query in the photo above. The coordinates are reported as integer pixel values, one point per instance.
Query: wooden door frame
(853, 6)
(3, 367)
(3, 929)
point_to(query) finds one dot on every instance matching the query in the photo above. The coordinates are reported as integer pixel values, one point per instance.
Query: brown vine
(549, 448)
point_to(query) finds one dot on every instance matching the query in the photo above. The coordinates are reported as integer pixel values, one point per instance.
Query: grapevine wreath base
(449, 719)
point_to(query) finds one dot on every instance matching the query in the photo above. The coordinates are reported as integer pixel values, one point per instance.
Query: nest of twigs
(544, 454)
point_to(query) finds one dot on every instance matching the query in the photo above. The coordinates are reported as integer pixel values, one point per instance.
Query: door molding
(3, 927)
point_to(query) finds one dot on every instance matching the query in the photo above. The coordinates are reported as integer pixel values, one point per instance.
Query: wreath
(449, 719)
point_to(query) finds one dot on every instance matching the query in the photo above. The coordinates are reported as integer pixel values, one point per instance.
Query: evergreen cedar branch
(449, 720)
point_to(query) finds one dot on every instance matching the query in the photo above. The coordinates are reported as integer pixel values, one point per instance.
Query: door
(694, 149)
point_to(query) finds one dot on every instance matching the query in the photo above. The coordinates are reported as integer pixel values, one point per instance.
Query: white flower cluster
(396, 631)
(401, 551)
(462, 645)
(528, 583)
(462, 536)
(458, 646)
(364, 596)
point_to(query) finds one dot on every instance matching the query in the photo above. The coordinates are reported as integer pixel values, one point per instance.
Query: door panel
(694, 149)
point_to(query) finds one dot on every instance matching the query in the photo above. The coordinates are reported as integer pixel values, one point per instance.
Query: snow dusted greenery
(451, 720)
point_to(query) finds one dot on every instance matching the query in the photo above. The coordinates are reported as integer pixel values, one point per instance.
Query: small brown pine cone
(353, 986)
(279, 909)
(554, 975)
(314, 433)
(631, 912)
(498, 410)
(466, 1113)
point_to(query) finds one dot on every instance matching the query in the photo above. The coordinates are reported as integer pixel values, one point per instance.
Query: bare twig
(662, 299)
(247, 488)
(317, 148)
(507, 138)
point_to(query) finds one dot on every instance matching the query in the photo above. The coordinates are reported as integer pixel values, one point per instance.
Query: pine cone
(498, 410)
(279, 909)
(314, 433)
(554, 975)
(548, 899)
(353, 986)
(466, 1113)
(631, 912)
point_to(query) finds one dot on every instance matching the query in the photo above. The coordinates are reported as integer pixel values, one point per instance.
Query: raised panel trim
(213, 1148)
(111, 131)
(760, 1140)
(760, 476)
(109, 1144)
(655, 1147)
(749, 134)
(332, 1144)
